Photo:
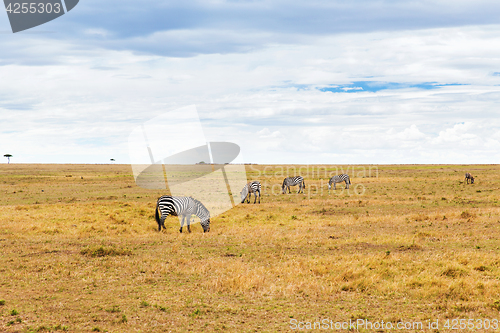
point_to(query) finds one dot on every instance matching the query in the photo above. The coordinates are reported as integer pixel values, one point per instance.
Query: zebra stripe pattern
(252, 187)
(468, 177)
(184, 207)
(293, 181)
(339, 179)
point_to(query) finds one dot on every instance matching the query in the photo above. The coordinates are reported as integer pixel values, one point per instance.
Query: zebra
(339, 179)
(468, 177)
(181, 206)
(292, 181)
(252, 187)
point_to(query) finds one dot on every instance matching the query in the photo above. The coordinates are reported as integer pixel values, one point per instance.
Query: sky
(306, 82)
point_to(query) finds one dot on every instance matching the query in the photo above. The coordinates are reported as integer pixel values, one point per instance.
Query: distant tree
(8, 157)
(202, 162)
(112, 160)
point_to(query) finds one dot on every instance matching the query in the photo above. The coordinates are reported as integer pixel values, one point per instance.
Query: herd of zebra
(185, 207)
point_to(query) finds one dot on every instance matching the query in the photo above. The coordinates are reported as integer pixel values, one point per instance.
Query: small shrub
(102, 251)
(61, 327)
(14, 312)
(454, 272)
(114, 309)
(144, 304)
(467, 215)
(420, 217)
(2, 302)
(195, 313)
(124, 319)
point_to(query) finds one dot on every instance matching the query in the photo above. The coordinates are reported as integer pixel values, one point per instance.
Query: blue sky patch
(375, 86)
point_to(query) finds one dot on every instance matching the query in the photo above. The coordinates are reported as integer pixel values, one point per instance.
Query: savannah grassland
(85, 255)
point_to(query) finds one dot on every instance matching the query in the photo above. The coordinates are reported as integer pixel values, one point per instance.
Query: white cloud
(88, 101)
(266, 133)
(459, 134)
(411, 133)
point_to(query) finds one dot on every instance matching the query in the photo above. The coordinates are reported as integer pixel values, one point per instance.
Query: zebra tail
(157, 216)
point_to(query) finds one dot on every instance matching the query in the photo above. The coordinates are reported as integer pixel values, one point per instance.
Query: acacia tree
(8, 157)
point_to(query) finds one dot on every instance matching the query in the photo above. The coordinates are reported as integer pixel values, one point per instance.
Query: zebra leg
(255, 194)
(259, 196)
(248, 197)
(289, 191)
(182, 224)
(160, 223)
(346, 184)
(188, 218)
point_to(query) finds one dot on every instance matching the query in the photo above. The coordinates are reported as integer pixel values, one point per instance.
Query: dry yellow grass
(84, 255)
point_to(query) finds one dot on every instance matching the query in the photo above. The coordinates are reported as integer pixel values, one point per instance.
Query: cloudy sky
(310, 82)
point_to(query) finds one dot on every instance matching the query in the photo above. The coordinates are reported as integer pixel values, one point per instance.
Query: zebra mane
(200, 205)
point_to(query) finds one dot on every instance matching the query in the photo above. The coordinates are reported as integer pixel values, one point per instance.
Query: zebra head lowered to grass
(248, 189)
(339, 179)
(293, 181)
(468, 177)
(184, 207)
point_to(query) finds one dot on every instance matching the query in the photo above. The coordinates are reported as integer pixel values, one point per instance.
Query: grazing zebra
(252, 187)
(181, 206)
(339, 179)
(468, 177)
(292, 181)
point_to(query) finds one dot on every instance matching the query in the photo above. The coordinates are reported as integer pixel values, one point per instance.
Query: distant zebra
(339, 179)
(468, 177)
(181, 206)
(293, 181)
(252, 187)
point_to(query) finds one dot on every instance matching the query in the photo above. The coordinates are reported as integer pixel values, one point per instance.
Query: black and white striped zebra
(468, 177)
(181, 206)
(293, 181)
(339, 179)
(252, 187)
